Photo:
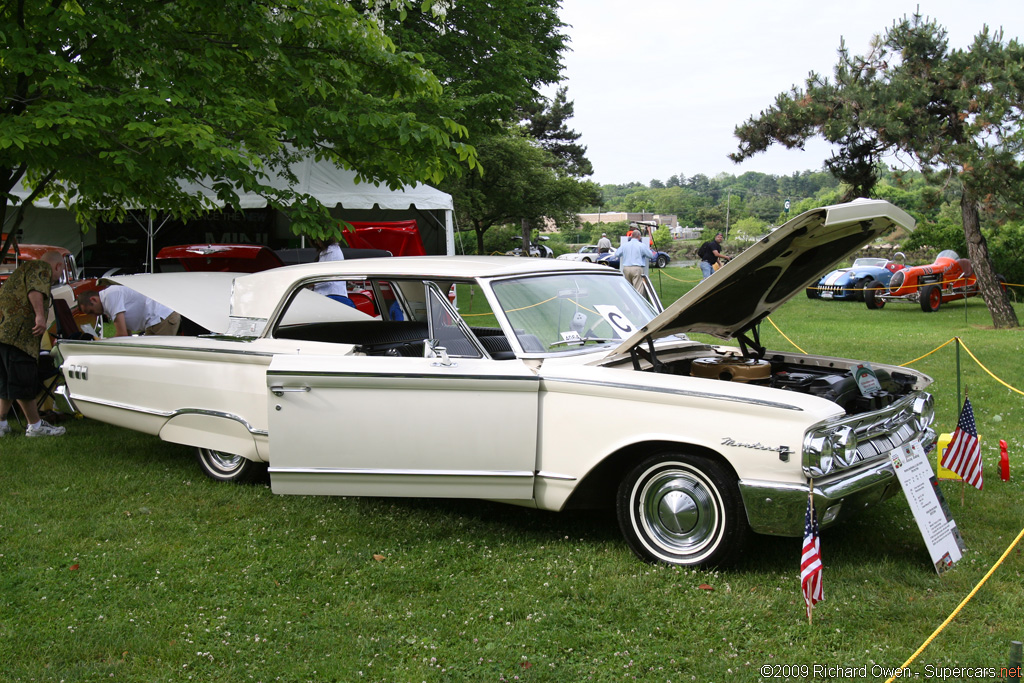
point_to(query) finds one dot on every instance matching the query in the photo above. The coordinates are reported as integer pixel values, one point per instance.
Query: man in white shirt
(604, 245)
(130, 311)
(633, 256)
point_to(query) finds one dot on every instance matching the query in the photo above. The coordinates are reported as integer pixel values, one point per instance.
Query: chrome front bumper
(778, 509)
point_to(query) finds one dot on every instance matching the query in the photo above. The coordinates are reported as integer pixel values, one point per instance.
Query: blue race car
(612, 260)
(847, 284)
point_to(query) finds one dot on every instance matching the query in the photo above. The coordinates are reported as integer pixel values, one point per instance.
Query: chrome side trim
(183, 349)
(556, 475)
(175, 413)
(400, 472)
(398, 375)
(677, 392)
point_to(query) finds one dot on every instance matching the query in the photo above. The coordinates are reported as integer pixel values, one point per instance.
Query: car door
(456, 425)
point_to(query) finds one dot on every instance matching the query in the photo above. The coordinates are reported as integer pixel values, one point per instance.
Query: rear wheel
(931, 298)
(662, 261)
(227, 466)
(873, 291)
(682, 509)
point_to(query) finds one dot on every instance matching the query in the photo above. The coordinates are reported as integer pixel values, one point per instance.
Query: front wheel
(662, 261)
(857, 294)
(931, 298)
(873, 292)
(227, 466)
(683, 510)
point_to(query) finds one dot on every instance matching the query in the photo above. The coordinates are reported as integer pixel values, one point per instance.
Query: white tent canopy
(332, 186)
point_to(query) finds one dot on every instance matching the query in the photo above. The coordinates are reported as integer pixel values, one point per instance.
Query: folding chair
(50, 376)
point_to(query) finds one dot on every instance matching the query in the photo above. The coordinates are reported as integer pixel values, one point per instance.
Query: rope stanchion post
(1013, 671)
(959, 404)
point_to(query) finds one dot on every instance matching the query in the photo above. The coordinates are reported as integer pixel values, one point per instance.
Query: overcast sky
(660, 85)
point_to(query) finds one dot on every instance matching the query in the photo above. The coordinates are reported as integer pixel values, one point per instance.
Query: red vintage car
(69, 287)
(947, 279)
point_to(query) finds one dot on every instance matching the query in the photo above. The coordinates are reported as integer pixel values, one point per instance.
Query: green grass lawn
(120, 561)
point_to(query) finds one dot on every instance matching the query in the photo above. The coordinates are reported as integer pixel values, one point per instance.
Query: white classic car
(587, 254)
(699, 444)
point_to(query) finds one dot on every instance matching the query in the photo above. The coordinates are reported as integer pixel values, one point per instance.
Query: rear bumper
(62, 399)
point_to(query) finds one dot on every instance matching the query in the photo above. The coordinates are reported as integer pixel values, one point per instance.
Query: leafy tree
(521, 181)
(108, 104)
(548, 124)
(492, 58)
(748, 227)
(956, 113)
(944, 231)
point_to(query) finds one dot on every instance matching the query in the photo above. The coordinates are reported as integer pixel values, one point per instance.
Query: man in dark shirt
(709, 253)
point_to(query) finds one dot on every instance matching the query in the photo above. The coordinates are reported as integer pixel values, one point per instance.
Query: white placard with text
(928, 505)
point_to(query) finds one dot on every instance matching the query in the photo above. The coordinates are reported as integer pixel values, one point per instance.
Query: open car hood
(203, 298)
(753, 284)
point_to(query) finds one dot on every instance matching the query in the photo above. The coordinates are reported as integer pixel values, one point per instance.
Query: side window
(395, 300)
(326, 301)
(447, 328)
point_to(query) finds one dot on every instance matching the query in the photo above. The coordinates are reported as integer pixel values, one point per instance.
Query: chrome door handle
(281, 391)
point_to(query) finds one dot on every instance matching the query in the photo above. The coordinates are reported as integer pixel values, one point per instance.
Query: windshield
(561, 313)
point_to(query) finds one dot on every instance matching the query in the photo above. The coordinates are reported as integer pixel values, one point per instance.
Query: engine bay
(829, 380)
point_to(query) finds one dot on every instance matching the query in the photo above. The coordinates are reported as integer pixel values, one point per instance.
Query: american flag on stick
(963, 454)
(810, 561)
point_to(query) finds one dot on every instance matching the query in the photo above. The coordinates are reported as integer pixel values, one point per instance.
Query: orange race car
(947, 279)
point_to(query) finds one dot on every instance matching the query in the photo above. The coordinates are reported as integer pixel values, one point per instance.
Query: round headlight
(924, 409)
(844, 447)
(818, 454)
(897, 280)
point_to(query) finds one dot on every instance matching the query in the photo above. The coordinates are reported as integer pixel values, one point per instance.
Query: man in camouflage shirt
(24, 303)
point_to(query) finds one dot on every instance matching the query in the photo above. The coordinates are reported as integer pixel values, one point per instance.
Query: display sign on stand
(931, 513)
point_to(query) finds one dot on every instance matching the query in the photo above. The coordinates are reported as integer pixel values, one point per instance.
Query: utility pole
(728, 204)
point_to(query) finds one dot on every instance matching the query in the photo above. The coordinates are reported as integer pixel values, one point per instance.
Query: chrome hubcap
(679, 511)
(225, 462)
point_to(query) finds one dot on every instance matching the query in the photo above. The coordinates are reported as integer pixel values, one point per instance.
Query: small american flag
(810, 561)
(963, 455)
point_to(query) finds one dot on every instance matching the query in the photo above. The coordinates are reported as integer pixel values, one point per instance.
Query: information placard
(931, 513)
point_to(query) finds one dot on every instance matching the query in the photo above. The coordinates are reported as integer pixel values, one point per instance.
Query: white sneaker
(44, 428)
(5, 429)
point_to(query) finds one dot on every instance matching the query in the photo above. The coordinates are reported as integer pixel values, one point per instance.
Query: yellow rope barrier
(987, 370)
(911, 362)
(885, 288)
(995, 566)
(524, 308)
(662, 271)
(962, 604)
(784, 335)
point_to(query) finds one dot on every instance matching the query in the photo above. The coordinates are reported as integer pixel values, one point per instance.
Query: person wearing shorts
(24, 303)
